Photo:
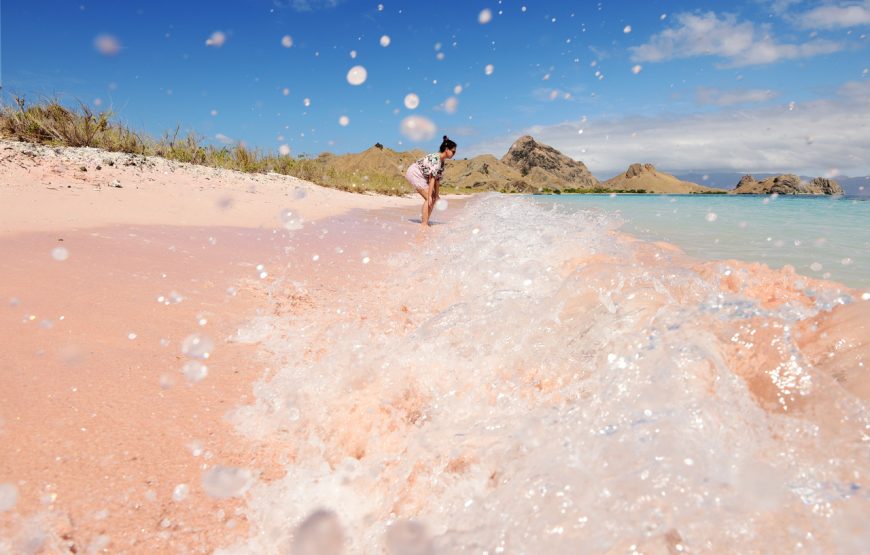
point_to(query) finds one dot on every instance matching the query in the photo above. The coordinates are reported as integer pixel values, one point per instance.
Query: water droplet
(223, 482)
(791, 106)
(418, 128)
(636, 69)
(485, 16)
(366, 260)
(626, 29)
(107, 45)
(711, 216)
(217, 39)
(457, 89)
(489, 69)
(411, 101)
(194, 371)
(865, 296)
(131, 336)
(291, 222)
(180, 492)
(816, 267)
(385, 41)
(663, 17)
(846, 261)
(59, 253)
(284, 150)
(319, 534)
(8, 497)
(441, 205)
(286, 41)
(408, 537)
(451, 105)
(198, 346)
(357, 75)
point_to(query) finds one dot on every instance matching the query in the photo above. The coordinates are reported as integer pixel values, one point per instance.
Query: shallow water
(530, 382)
(823, 237)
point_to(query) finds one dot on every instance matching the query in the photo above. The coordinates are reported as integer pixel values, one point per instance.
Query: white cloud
(223, 138)
(812, 139)
(307, 5)
(718, 97)
(738, 43)
(834, 17)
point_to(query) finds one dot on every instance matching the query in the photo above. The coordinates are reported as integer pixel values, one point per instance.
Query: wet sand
(104, 440)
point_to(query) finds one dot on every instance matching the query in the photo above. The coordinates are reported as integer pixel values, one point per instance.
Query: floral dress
(428, 166)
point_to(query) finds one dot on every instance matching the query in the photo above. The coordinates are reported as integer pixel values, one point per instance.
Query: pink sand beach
(504, 381)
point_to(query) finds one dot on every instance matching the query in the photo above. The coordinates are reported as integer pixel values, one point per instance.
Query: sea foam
(531, 381)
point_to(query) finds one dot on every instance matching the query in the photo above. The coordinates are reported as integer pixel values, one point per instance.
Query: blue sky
(752, 85)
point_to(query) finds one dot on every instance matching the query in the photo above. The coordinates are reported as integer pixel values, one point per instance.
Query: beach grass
(51, 123)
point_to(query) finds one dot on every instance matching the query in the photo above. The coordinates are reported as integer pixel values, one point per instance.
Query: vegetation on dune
(51, 123)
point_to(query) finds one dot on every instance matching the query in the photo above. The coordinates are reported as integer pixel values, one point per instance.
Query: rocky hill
(788, 184)
(544, 166)
(646, 178)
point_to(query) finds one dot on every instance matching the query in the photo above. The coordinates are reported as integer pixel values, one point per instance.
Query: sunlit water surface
(528, 383)
(822, 237)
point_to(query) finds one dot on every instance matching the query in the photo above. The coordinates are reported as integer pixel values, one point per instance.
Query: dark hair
(447, 143)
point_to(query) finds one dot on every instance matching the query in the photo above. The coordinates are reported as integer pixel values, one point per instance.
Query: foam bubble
(441, 205)
(485, 16)
(418, 128)
(636, 68)
(306, 102)
(197, 345)
(489, 69)
(711, 217)
(286, 41)
(357, 75)
(411, 101)
(223, 482)
(284, 150)
(626, 29)
(457, 89)
(385, 41)
(343, 121)
(59, 253)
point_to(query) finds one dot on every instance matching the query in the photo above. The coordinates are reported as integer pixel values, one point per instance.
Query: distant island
(533, 167)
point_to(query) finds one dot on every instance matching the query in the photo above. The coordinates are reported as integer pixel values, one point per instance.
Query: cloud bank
(737, 43)
(823, 137)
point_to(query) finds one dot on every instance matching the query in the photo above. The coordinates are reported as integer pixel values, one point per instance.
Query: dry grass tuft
(51, 123)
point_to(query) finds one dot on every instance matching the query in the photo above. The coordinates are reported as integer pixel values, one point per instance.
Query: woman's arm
(433, 189)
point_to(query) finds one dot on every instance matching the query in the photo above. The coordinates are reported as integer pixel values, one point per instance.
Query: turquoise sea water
(821, 237)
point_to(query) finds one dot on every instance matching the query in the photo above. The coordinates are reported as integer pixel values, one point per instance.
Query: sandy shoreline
(105, 442)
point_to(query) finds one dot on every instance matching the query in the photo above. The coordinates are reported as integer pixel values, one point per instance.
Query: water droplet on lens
(407, 537)
(441, 205)
(385, 41)
(485, 16)
(59, 253)
(411, 101)
(711, 216)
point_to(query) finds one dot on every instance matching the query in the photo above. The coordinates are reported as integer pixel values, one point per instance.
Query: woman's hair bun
(445, 138)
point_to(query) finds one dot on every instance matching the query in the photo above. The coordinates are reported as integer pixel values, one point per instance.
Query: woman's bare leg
(427, 204)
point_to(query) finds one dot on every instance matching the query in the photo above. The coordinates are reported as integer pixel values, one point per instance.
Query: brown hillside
(651, 180)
